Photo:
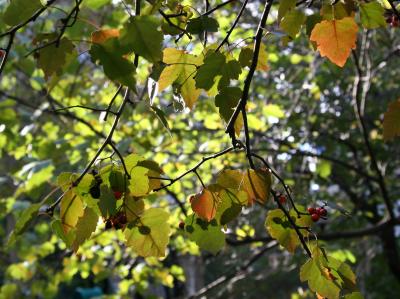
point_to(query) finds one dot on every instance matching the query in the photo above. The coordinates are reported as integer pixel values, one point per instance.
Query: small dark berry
(117, 194)
(181, 225)
(108, 224)
(323, 212)
(95, 191)
(282, 199)
(118, 225)
(311, 210)
(318, 210)
(123, 219)
(315, 217)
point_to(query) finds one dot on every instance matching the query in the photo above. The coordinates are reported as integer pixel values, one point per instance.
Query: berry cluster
(392, 19)
(118, 221)
(317, 213)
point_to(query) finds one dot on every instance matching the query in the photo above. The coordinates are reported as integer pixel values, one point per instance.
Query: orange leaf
(101, 36)
(335, 39)
(204, 204)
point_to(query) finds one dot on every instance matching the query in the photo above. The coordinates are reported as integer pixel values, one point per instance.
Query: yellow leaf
(335, 39)
(181, 69)
(71, 208)
(100, 36)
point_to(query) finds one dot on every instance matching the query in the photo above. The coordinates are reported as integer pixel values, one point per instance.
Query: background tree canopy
(199, 149)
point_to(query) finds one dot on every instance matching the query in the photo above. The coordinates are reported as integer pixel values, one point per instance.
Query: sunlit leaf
(151, 237)
(181, 69)
(207, 235)
(204, 204)
(71, 208)
(335, 39)
(230, 206)
(326, 275)
(85, 227)
(279, 227)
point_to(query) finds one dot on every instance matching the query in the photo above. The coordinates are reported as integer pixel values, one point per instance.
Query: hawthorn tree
(148, 143)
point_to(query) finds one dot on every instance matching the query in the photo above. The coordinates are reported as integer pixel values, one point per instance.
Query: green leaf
(326, 275)
(133, 208)
(20, 10)
(64, 180)
(161, 117)
(52, 58)
(354, 295)
(107, 202)
(292, 22)
(226, 101)
(141, 35)
(58, 230)
(85, 227)
(391, 121)
(230, 206)
(139, 182)
(337, 11)
(215, 64)
(279, 227)
(246, 56)
(23, 222)
(201, 24)
(71, 208)
(372, 15)
(284, 7)
(153, 240)
(116, 67)
(131, 161)
(317, 280)
(118, 181)
(207, 235)
(181, 69)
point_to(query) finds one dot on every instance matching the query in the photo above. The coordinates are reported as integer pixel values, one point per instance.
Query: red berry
(318, 210)
(2, 53)
(323, 212)
(117, 194)
(282, 199)
(311, 210)
(315, 217)
(181, 225)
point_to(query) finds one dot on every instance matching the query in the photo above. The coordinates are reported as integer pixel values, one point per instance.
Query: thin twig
(225, 40)
(194, 168)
